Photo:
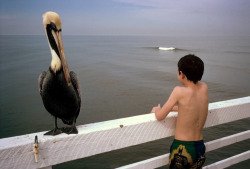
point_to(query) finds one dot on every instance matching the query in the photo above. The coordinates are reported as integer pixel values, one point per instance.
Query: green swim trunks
(187, 154)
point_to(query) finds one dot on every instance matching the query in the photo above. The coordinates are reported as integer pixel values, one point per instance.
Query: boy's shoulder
(181, 90)
(178, 91)
(203, 85)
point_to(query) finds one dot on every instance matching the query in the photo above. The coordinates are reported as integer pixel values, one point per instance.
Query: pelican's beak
(58, 38)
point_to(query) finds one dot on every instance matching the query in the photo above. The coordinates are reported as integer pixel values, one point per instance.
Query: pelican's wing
(76, 84)
(40, 82)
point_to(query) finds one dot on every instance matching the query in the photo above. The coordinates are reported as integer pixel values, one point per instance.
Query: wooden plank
(229, 161)
(96, 138)
(162, 160)
(227, 111)
(225, 141)
(155, 162)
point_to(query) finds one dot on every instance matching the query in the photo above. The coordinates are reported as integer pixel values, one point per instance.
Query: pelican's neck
(55, 62)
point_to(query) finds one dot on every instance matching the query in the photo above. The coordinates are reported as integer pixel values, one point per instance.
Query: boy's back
(192, 111)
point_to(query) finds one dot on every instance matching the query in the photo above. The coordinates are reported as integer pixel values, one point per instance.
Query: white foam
(166, 48)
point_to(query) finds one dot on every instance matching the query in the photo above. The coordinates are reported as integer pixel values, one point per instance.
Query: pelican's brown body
(59, 89)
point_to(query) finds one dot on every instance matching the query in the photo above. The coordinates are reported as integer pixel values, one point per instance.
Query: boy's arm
(161, 113)
(175, 108)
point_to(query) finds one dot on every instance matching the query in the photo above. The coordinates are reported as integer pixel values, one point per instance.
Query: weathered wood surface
(96, 138)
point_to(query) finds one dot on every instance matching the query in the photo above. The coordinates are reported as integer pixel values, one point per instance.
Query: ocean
(121, 76)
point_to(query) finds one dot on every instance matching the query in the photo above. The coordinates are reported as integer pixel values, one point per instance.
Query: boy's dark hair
(192, 66)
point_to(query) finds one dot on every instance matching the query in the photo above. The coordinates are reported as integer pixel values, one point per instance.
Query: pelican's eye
(52, 26)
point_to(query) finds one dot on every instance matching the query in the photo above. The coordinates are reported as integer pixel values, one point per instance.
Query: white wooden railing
(96, 138)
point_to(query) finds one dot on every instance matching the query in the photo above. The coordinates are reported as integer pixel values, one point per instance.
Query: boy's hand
(156, 109)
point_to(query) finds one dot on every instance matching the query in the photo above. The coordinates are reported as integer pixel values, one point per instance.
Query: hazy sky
(129, 17)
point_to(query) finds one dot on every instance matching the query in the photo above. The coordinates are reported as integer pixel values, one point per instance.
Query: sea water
(121, 76)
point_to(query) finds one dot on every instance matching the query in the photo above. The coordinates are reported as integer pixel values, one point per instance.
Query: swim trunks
(187, 154)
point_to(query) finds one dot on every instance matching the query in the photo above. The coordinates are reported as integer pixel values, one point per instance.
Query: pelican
(59, 88)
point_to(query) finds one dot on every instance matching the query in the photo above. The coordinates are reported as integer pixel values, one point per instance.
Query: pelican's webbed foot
(70, 130)
(54, 132)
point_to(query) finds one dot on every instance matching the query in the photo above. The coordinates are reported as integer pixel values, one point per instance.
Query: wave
(167, 48)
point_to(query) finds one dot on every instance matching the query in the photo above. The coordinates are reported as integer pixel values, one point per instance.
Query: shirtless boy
(187, 149)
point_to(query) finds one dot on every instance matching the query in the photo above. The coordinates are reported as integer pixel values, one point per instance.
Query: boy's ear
(182, 75)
